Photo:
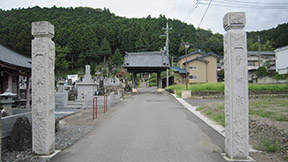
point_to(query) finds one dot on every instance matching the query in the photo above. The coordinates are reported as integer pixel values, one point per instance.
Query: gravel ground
(66, 136)
(71, 128)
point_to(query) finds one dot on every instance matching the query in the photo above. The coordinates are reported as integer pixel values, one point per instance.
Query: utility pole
(186, 67)
(167, 50)
(259, 49)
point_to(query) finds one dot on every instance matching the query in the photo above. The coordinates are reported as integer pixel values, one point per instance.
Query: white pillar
(236, 86)
(43, 99)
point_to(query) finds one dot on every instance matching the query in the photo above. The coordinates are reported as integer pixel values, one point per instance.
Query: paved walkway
(147, 128)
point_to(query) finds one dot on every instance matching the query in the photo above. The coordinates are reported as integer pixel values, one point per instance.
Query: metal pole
(167, 48)
(259, 49)
(186, 69)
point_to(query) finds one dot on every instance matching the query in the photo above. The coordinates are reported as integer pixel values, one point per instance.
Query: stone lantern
(6, 100)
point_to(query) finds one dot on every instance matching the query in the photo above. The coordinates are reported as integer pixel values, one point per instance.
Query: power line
(249, 2)
(245, 4)
(205, 13)
(189, 13)
(241, 6)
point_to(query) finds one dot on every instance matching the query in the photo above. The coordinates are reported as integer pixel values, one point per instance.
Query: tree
(262, 72)
(61, 64)
(105, 49)
(82, 60)
(264, 47)
(82, 29)
(117, 59)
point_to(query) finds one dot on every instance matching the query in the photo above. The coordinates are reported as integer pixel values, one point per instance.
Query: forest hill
(86, 35)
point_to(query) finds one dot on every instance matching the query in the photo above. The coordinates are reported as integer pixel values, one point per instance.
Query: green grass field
(219, 87)
(272, 108)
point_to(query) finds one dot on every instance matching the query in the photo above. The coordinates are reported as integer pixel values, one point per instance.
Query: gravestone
(43, 100)
(87, 77)
(236, 86)
(21, 135)
(86, 89)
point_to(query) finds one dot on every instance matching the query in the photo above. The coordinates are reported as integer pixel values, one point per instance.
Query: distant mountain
(278, 36)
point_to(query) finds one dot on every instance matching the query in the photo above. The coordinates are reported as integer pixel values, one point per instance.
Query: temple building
(15, 73)
(146, 62)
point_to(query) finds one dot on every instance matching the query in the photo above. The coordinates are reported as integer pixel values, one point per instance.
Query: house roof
(192, 53)
(179, 70)
(281, 48)
(211, 53)
(267, 53)
(146, 59)
(13, 58)
(197, 58)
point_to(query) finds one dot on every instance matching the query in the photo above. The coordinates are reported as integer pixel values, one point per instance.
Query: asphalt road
(147, 128)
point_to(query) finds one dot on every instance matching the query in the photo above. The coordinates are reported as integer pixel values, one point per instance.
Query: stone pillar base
(159, 90)
(224, 155)
(186, 94)
(134, 90)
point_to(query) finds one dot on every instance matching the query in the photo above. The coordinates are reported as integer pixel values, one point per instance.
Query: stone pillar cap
(234, 20)
(42, 29)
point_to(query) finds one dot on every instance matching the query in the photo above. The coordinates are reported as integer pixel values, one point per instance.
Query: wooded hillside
(84, 34)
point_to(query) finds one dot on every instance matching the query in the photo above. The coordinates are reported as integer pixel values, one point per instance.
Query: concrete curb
(50, 156)
(220, 129)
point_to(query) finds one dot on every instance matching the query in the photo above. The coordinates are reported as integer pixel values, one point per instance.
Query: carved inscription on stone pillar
(43, 102)
(236, 86)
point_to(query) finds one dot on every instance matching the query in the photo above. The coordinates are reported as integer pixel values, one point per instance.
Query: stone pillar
(135, 80)
(236, 86)
(43, 99)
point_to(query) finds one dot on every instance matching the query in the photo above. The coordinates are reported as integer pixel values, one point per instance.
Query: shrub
(262, 72)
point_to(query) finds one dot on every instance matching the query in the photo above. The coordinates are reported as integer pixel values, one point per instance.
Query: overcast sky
(275, 12)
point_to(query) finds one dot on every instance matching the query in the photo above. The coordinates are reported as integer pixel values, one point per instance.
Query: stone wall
(112, 100)
(270, 80)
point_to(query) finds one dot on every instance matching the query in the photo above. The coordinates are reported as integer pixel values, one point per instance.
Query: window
(251, 63)
(193, 77)
(192, 67)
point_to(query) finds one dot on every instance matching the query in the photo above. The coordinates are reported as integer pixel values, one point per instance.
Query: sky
(260, 14)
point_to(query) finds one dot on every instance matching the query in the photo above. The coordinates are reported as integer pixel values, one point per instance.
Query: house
(201, 67)
(267, 59)
(282, 60)
(15, 73)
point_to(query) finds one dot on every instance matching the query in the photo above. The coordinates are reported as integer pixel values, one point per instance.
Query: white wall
(282, 60)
